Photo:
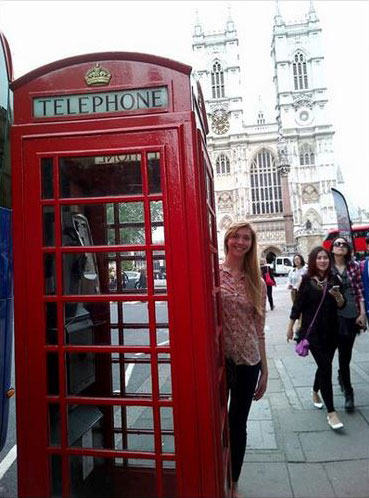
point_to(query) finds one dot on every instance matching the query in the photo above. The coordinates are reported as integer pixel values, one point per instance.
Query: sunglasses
(340, 244)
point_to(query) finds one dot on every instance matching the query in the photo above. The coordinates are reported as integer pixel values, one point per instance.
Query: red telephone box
(119, 360)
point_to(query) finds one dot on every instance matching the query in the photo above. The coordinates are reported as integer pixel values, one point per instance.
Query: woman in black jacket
(319, 286)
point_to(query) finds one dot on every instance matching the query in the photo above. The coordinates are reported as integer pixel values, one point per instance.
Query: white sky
(40, 32)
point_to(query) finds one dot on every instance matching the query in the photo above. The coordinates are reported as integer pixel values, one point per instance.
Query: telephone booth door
(120, 384)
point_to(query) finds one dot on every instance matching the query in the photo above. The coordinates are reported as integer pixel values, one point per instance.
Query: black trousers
(323, 376)
(242, 383)
(346, 337)
(270, 296)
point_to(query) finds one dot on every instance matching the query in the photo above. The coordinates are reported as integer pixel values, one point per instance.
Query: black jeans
(323, 376)
(346, 337)
(270, 296)
(241, 385)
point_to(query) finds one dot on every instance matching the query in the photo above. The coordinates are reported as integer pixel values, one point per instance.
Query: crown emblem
(97, 76)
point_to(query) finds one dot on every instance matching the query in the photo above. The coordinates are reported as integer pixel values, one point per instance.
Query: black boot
(339, 378)
(349, 402)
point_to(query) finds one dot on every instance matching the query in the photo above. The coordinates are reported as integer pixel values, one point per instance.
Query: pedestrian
(317, 300)
(351, 318)
(364, 268)
(268, 276)
(295, 275)
(243, 296)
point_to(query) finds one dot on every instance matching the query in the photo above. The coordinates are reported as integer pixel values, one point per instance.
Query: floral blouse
(243, 327)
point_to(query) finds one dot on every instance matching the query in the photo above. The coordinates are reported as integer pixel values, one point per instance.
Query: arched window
(261, 119)
(300, 77)
(217, 81)
(307, 155)
(266, 190)
(223, 165)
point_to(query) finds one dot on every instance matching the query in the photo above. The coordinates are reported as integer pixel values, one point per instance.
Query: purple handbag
(302, 347)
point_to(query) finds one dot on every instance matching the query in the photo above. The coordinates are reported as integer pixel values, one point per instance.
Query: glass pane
(165, 375)
(153, 166)
(52, 367)
(135, 312)
(54, 425)
(162, 337)
(50, 275)
(51, 323)
(160, 272)
(48, 215)
(97, 477)
(109, 374)
(166, 423)
(56, 475)
(161, 313)
(104, 273)
(47, 177)
(100, 176)
(157, 222)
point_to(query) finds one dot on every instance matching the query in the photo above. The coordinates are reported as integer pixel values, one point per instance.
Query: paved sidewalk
(291, 451)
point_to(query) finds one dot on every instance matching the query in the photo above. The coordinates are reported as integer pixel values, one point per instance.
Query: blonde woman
(243, 312)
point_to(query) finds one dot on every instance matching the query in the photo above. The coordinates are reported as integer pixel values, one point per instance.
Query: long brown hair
(250, 263)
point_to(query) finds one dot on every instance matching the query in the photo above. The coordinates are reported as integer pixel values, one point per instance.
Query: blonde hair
(250, 263)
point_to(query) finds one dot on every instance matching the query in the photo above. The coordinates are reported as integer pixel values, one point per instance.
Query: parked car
(130, 279)
(282, 265)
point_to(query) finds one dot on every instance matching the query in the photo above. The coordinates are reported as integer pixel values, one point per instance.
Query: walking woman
(317, 300)
(268, 276)
(243, 314)
(295, 275)
(351, 318)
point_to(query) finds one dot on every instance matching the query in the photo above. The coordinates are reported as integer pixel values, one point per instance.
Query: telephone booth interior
(119, 359)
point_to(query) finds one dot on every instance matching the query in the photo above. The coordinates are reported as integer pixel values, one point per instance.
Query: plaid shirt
(354, 275)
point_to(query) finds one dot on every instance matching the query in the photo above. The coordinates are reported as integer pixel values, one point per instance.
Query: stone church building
(276, 174)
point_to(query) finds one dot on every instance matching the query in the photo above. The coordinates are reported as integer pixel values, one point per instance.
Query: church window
(300, 77)
(261, 119)
(307, 155)
(217, 81)
(223, 165)
(266, 190)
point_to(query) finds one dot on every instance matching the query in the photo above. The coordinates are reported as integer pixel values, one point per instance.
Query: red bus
(359, 233)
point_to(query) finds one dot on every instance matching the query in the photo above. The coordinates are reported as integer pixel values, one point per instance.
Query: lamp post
(284, 168)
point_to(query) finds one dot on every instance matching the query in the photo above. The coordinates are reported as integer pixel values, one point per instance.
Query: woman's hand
(261, 386)
(361, 321)
(289, 333)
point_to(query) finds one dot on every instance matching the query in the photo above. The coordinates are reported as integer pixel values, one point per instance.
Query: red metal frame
(198, 399)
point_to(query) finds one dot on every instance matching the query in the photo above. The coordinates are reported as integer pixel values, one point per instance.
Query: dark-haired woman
(319, 288)
(351, 318)
(295, 275)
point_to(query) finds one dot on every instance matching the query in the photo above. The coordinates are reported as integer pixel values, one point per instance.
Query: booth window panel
(162, 337)
(51, 323)
(108, 374)
(135, 312)
(84, 225)
(89, 323)
(52, 369)
(100, 176)
(47, 178)
(127, 272)
(166, 424)
(169, 476)
(107, 477)
(153, 170)
(56, 475)
(104, 273)
(165, 375)
(160, 272)
(54, 425)
(49, 274)
(48, 218)
(161, 313)
(157, 222)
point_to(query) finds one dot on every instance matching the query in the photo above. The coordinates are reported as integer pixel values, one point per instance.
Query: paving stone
(352, 443)
(269, 480)
(260, 435)
(310, 481)
(349, 479)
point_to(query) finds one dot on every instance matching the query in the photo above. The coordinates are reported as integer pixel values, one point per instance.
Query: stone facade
(247, 157)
